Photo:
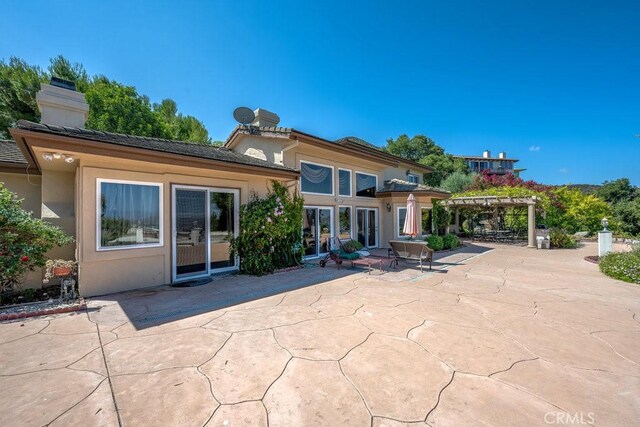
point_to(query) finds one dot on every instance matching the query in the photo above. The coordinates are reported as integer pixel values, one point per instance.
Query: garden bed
(42, 308)
(29, 295)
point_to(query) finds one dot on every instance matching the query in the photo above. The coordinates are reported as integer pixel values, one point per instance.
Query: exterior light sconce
(58, 156)
(605, 223)
(388, 207)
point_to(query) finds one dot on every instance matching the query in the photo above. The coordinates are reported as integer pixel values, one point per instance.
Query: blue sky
(553, 83)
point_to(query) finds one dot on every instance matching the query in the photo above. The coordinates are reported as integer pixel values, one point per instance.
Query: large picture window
(316, 179)
(345, 222)
(366, 184)
(129, 214)
(344, 182)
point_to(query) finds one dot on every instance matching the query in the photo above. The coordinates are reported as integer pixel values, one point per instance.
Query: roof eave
(106, 149)
(432, 193)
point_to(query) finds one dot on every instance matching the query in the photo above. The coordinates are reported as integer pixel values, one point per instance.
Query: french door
(367, 226)
(202, 220)
(317, 229)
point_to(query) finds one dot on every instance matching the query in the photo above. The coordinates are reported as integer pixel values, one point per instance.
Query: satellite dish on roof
(244, 115)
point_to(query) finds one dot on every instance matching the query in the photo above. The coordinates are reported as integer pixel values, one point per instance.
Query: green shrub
(622, 265)
(435, 242)
(269, 237)
(450, 241)
(457, 181)
(441, 218)
(24, 240)
(561, 239)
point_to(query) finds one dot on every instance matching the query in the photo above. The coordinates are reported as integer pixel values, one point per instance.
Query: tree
(114, 107)
(415, 148)
(627, 215)
(182, 128)
(24, 240)
(192, 130)
(62, 68)
(424, 150)
(19, 83)
(617, 191)
(443, 166)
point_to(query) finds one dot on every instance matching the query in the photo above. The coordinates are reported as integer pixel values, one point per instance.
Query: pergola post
(531, 214)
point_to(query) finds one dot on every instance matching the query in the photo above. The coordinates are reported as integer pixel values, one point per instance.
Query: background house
(500, 165)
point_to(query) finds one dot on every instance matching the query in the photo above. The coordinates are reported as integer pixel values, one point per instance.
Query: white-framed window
(316, 178)
(344, 182)
(129, 214)
(401, 215)
(366, 184)
(412, 178)
(345, 221)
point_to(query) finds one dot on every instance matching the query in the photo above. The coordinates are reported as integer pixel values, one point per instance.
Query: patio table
(368, 262)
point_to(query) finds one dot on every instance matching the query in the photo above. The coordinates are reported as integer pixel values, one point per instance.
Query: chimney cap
(62, 83)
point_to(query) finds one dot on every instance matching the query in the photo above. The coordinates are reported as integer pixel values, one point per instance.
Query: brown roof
(10, 153)
(202, 151)
(351, 143)
(400, 186)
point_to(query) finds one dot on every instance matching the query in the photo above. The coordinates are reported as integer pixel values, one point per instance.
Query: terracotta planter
(61, 271)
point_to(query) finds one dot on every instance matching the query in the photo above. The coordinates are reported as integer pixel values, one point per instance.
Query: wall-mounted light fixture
(58, 156)
(388, 207)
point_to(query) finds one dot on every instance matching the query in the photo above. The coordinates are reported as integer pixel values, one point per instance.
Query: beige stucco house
(147, 211)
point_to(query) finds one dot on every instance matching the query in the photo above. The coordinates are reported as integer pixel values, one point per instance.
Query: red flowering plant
(24, 240)
(558, 207)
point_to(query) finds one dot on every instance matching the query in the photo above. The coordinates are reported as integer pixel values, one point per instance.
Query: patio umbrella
(411, 220)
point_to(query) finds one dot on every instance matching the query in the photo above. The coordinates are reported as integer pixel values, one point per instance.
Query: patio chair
(412, 250)
(340, 250)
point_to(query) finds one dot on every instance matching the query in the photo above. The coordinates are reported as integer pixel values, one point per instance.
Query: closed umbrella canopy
(411, 220)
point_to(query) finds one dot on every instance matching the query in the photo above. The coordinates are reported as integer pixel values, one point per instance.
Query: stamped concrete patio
(513, 336)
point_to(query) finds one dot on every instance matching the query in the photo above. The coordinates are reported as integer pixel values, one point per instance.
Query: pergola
(484, 202)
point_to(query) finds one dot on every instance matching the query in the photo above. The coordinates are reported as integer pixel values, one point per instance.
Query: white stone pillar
(605, 243)
(531, 214)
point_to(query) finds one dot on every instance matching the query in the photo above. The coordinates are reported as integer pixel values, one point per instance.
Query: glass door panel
(361, 225)
(190, 232)
(221, 226)
(367, 227)
(309, 232)
(372, 228)
(324, 223)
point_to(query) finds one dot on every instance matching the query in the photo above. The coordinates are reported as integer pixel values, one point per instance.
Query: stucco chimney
(265, 118)
(486, 154)
(61, 105)
(502, 155)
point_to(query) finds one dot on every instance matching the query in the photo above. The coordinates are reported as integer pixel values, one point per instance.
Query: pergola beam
(485, 202)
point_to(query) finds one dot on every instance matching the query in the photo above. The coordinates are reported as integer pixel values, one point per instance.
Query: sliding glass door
(203, 221)
(317, 230)
(367, 226)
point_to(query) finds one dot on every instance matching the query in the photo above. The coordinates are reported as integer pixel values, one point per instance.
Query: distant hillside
(585, 188)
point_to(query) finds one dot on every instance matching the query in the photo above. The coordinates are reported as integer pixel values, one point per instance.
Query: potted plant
(59, 268)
